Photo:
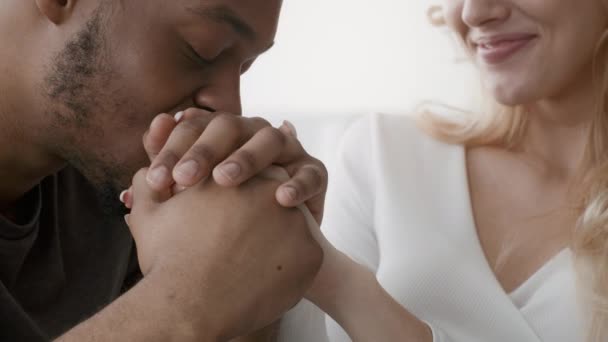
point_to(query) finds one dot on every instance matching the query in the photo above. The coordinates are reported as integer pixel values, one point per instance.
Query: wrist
(354, 295)
(339, 281)
(188, 314)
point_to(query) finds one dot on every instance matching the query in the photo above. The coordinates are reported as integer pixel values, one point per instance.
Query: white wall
(336, 59)
(356, 56)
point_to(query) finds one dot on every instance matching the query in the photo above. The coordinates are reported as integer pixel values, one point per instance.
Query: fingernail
(122, 196)
(179, 116)
(158, 175)
(188, 169)
(230, 170)
(289, 192)
(291, 128)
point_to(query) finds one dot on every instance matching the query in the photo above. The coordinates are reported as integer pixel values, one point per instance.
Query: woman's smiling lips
(496, 49)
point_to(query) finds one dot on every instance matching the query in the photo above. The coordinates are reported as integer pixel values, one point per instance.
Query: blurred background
(335, 60)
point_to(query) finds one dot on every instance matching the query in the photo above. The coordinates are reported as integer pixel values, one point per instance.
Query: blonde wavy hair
(505, 126)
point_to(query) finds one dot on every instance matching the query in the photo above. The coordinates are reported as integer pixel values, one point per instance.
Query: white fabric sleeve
(349, 210)
(349, 213)
(348, 223)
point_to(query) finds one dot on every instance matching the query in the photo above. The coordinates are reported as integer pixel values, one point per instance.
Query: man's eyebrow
(224, 14)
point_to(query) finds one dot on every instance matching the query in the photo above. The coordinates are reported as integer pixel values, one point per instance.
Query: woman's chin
(513, 97)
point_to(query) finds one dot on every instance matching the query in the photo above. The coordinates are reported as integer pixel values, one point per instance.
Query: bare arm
(268, 334)
(352, 296)
(151, 312)
(181, 300)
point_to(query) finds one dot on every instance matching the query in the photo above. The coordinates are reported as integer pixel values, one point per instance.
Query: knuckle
(314, 162)
(298, 146)
(140, 174)
(167, 157)
(321, 170)
(303, 186)
(190, 127)
(275, 135)
(316, 175)
(194, 112)
(257, 121)
(203, 152)
(229, 120)
(247, 159)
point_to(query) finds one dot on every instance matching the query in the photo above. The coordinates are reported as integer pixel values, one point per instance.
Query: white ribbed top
(399, 204)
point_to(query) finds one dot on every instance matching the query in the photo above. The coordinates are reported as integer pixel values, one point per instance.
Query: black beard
(76, 74)
(75, 86)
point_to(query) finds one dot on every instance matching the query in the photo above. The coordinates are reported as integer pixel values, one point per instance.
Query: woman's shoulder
(380, 133)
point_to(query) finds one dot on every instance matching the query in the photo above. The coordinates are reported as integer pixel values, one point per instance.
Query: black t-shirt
(64, 264)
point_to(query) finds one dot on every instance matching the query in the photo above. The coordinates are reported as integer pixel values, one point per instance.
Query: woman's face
(529, 50)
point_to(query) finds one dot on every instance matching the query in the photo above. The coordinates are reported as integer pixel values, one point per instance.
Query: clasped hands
(234, 246)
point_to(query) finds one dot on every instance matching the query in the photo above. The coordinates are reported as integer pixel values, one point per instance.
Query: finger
(176, 189)
(261, 151)
(143, 196)
(183, 136)
(307, 185)
(144, 200)
(224, 134)
(156, 137)
(126, 197)
(289, 129)
(244, 164)
(122, 196)
(129, 198)
(293, 152)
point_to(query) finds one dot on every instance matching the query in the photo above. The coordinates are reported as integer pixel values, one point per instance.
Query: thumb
(144, 200)
(156, 137)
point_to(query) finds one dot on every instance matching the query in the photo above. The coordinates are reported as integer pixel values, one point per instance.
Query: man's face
(131, 60)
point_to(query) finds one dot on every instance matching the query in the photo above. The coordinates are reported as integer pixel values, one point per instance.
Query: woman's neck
(558, 130)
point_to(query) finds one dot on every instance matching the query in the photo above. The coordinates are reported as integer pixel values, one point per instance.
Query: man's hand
(196, 144)
(234, 259)
(268, 334)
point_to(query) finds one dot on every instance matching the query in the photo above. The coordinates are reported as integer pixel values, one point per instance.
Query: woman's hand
(353, 297)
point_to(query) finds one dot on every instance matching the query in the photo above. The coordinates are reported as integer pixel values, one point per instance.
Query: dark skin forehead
(226, 15)
(253, 21)
(230, 33)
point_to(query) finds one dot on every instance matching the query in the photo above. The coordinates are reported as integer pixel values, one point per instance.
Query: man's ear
(57, 11)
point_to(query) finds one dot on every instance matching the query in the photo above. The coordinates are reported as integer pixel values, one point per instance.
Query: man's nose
(224, 95)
